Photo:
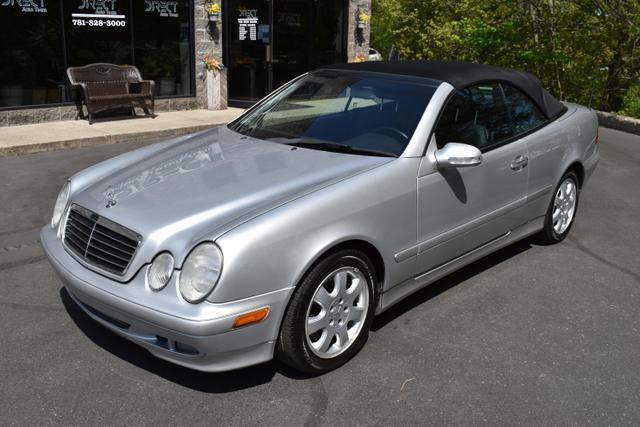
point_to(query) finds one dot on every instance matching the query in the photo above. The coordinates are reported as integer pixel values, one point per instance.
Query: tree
(582, 50)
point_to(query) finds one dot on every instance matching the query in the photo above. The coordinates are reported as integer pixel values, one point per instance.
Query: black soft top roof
(463, 74)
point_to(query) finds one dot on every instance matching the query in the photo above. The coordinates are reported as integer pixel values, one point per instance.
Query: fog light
(251, 317)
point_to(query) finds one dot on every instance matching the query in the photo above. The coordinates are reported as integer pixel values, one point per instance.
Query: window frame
(504, 142)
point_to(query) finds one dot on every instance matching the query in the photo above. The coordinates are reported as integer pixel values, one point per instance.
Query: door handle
(519, 162)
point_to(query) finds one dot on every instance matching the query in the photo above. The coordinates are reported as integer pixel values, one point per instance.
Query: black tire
(292, 348)
(548, 235)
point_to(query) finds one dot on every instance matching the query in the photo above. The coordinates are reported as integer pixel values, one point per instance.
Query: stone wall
(622, 123)
(358, 38)
(208, 41)
(28, 116)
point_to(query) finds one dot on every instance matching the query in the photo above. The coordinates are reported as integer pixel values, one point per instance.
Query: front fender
(274, 250)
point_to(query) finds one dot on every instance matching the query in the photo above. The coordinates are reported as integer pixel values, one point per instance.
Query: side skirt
(402, 290)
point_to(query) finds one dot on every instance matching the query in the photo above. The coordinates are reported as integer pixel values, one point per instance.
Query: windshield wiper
(340, 148)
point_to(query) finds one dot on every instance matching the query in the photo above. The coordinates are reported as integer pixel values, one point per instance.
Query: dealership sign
(164, 8)
(247, 20)
(99, 7)
(26, 5)
(98, 13)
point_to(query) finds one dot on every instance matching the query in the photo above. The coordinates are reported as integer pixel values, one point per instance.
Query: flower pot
(216, 89)
(167, 86)
(214, 17)
(361, 25)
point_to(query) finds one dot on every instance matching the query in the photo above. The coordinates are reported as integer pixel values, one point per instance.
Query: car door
(546, 147)
(460, 209)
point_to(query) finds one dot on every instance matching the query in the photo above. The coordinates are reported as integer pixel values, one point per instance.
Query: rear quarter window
(525, 115)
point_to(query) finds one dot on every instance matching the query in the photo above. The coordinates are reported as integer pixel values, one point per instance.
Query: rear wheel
(330, 314)
(562, 210)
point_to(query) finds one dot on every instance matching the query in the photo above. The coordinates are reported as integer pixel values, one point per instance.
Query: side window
(477, 116)
(525, 114)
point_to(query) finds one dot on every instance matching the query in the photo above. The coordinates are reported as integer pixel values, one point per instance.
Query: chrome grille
(99, 241)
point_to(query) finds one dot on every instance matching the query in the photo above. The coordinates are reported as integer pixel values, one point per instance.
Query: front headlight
(200, 272)
(61, 203)
(160, 271)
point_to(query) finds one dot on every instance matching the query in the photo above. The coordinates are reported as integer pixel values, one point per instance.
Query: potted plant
(363, 18)
(161, 66)
(212, 64)
(359, 58)
(213, 9)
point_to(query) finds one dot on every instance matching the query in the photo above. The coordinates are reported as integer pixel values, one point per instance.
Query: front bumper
(198, 336)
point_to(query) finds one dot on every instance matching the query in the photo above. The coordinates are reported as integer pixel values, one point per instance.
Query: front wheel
(562, 210)
(329, 316)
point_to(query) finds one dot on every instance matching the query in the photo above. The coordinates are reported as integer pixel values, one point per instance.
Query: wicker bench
(102, 87)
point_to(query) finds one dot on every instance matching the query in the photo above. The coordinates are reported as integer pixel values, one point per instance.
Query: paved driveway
(531, 334)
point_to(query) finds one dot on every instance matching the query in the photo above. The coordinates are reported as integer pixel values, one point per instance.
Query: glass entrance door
(307, 35)
(269, 42)
(248, 52)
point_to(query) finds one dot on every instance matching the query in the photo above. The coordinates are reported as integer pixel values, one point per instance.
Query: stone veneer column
(357, 39)
(207, 43)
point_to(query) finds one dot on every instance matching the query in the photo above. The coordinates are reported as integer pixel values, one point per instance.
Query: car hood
(202, 186)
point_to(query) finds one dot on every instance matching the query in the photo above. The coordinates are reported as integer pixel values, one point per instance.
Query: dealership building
(262, 43)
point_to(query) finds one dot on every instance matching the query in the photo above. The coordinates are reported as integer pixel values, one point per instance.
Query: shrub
(631, 102)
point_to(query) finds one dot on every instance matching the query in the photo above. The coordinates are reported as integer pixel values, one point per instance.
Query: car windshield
(346, 112)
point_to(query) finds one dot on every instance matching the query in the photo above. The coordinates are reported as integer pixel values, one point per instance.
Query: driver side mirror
(456, 155)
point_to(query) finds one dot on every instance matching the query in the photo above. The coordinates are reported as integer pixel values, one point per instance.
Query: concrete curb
(101, 140)
(622, 123)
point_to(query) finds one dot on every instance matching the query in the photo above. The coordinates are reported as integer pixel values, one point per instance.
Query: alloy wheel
(564, 206)
(337, 312)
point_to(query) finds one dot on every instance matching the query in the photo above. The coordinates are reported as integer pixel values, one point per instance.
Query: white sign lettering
(76, 22)
(247, 20)
(28, 6)
(100, 7)
(166, 9)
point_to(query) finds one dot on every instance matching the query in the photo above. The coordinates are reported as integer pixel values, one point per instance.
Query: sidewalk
(25, 139)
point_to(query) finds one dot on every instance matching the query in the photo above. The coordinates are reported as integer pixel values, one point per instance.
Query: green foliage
(631, 102)
(583, 51)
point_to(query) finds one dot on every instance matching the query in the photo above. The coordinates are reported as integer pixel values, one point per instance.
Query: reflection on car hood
(212, 181)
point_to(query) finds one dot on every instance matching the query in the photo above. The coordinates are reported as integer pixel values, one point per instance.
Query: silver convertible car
(347, 189)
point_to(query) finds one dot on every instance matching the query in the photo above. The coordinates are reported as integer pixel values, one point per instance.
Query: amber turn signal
(251, 317)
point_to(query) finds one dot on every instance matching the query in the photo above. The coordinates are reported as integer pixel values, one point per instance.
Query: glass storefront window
(162, 48)
(41, 38)
(32, 63)
(97, 32)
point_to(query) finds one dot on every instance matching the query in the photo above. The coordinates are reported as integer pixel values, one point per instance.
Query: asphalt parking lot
(529, 335)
